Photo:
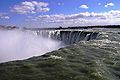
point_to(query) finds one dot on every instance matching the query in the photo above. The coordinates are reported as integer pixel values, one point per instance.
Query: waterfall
(68, 37)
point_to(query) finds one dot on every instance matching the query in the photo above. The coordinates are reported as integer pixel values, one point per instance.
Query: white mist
(19, 45)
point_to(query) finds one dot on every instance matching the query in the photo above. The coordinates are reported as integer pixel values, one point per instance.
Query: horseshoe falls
(67, 36)
(23, 44)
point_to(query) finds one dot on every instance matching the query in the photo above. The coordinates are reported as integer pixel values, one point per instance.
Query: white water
(18, 45)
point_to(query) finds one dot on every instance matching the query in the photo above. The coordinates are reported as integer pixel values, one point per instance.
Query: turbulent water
(94, 59)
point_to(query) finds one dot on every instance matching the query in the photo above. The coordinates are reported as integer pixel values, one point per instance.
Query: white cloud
(99, 4)
(60, 4)
(30, 7)
(84, 6)
(80, 19)
(109, 4)
(4, 16)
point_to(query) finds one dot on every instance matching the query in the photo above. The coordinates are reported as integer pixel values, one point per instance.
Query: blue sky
(49, 13)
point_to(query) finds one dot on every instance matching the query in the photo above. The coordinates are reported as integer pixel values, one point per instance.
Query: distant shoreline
(76, 27)
(61, 28)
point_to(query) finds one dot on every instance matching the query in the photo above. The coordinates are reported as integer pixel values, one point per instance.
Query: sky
(55, 13)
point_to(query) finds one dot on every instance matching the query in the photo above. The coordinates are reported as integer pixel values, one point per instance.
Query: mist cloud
(17, 45)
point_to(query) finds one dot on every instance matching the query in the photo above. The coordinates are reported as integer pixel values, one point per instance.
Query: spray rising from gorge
(21, 44)
(18, 45)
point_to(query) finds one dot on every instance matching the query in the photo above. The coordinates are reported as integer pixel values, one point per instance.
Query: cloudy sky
(55, 13)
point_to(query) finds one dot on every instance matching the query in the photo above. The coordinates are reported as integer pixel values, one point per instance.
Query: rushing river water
(97, 59)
